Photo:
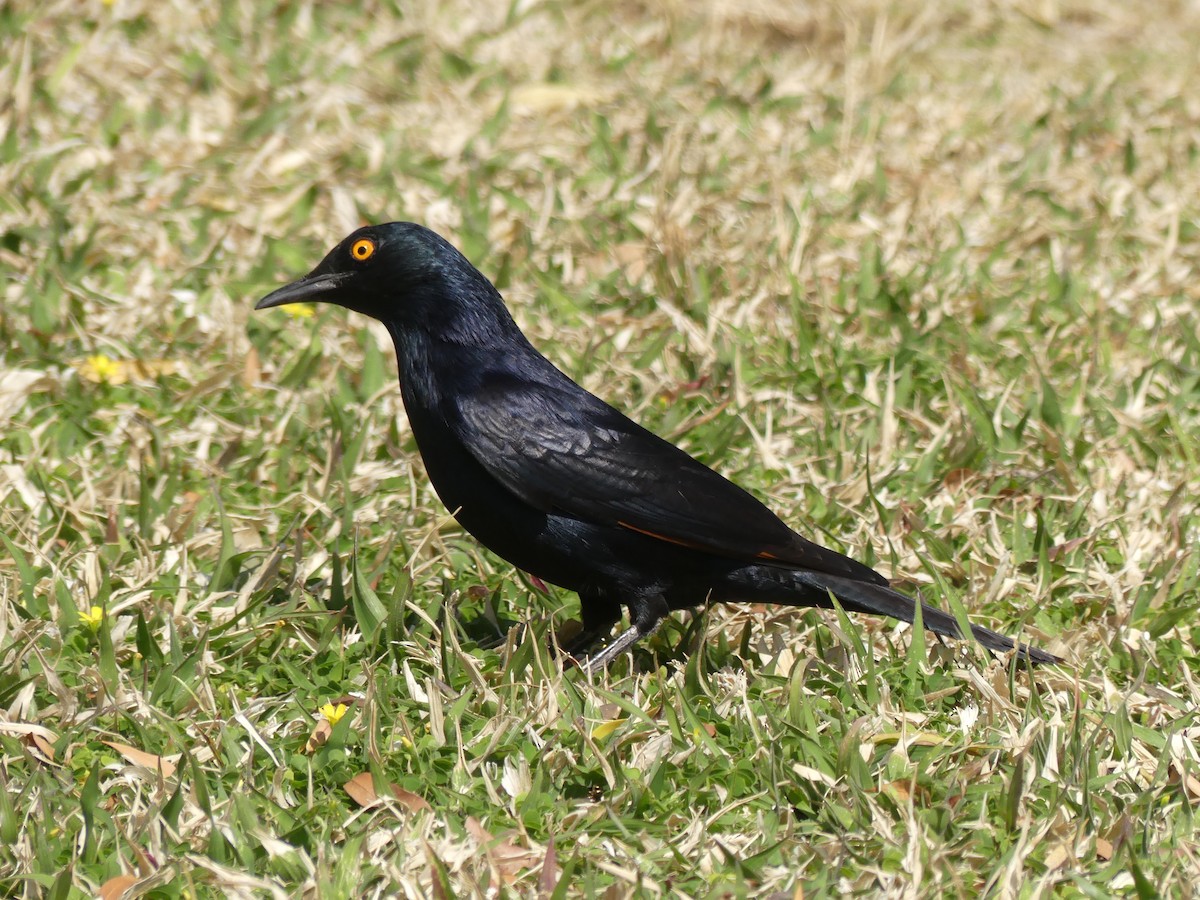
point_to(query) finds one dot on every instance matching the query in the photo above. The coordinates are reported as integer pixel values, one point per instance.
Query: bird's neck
(462, 307)
(435, 366)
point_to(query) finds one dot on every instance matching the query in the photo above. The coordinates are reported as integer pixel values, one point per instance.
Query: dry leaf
(956, 477)
(26, 728)
(41, 747)
(142, 758)
(634, 260)
(15, 387)
(1104, 849)
(548, 878)
(410, 801)
(251, 369)
(1190, 783)
(320, 734)
(361, 789)
(179, 519)
(115, 888)
(810, 774)
(505, 857)
(38, 739)
(543, 98)
(1063, 549)
(1057, 857)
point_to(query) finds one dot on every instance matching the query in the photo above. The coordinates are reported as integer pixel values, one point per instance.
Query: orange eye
(362, 249)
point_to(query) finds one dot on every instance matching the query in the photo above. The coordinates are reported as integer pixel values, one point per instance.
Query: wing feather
(565, 451)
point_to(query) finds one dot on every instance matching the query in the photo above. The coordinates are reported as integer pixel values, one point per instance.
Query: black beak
(309, 289)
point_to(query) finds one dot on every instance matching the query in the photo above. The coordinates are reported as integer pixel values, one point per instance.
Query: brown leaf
(438, 875)
(1104, 849)
(476, 830)
(1066, 547)
(1121, 832)
(251, 369)
(548, 878)
(410, 801)
(37, 738)
(179, 519)
(41, 745)
(142, 758)
(26, 728)
(505, 857)
(1057, 857)
(115, 888)
(320, 734)
(361, 789)
(634, 259)
(1188, 782)
(956, 477)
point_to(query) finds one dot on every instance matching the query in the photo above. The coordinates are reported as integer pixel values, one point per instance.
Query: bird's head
(402, 274)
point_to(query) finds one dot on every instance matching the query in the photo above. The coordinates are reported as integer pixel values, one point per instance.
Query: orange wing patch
(691, 545)
(659, 537)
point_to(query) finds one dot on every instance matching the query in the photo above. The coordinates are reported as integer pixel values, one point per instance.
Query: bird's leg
(594, 662)
(645, 613)
(597, 615)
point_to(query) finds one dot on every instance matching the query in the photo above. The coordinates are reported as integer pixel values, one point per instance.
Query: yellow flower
(101, 368)
(93, 618)
(333, 714)
(299, 310)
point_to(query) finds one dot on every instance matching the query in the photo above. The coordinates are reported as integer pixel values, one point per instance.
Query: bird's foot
(594, 662)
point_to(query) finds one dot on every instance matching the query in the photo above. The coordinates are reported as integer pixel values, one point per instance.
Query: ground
(922, 276)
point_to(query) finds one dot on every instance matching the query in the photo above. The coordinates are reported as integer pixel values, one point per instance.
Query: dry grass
(922, 274)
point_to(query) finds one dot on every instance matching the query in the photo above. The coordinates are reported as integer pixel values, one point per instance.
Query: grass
(923, 276)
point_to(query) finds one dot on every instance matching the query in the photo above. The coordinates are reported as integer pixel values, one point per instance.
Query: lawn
(922, 276)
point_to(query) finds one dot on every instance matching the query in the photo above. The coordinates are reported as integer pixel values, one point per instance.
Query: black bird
(559, 483)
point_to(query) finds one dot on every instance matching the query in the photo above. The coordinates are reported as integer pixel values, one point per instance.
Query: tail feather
(864, 597)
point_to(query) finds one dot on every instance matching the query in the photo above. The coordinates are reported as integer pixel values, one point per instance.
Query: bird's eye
(362, 249)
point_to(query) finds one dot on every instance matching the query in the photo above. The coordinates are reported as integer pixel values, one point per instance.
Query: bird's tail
(864, 597)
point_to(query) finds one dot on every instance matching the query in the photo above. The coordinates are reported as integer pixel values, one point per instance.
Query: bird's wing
(565, 451)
